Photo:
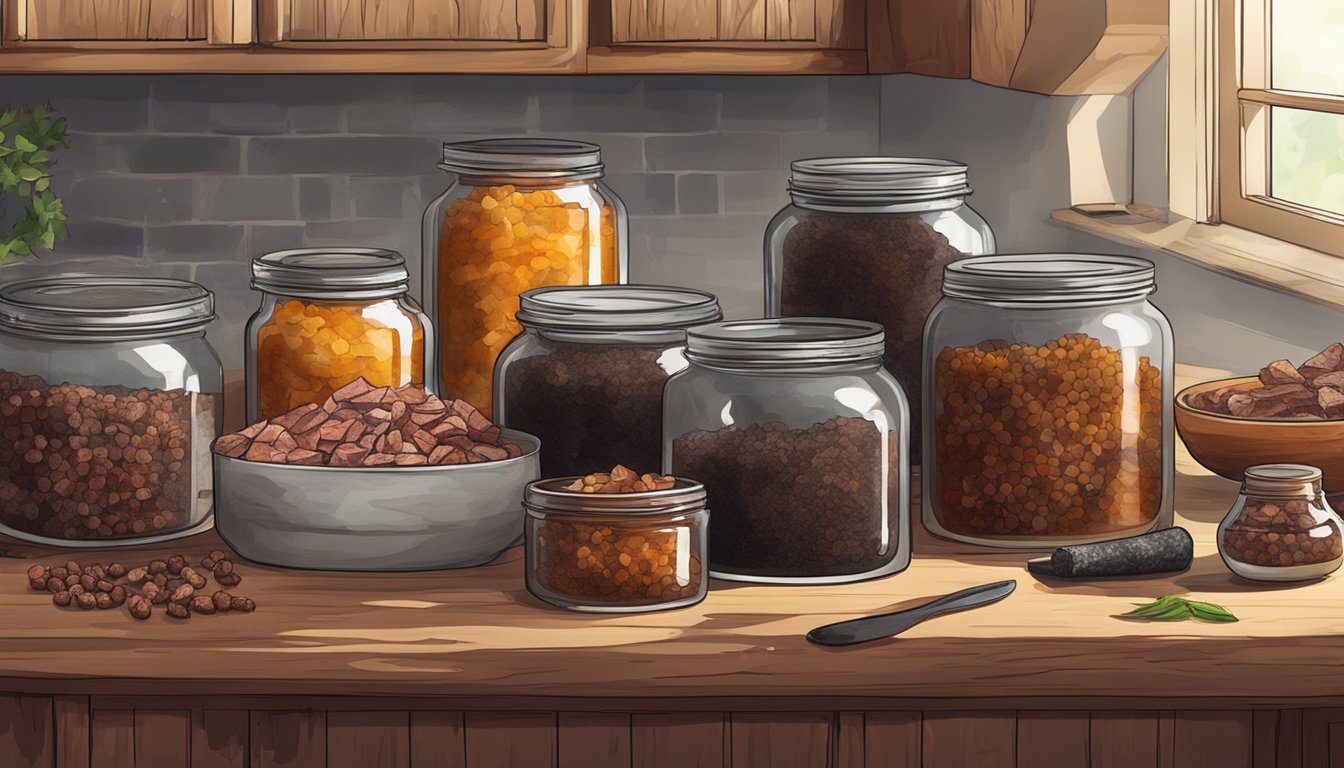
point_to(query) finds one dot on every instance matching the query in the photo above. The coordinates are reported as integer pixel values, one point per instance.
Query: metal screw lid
(542, 496)
(785, 342)
(1281, 480)
(332, 273)
(875, 181)
(104, 308)
(1050, 278)
(616, 307)
(524, 158)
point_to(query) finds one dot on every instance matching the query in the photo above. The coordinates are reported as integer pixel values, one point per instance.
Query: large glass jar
(868, 238)
(327, 317)
(1280, 528)
(110, 397)
(520, 214)
(799, 436)
(616, 552)
(586, 375)
(1049, 402)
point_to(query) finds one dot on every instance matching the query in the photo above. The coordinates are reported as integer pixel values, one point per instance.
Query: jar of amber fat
(327, 317)
(520, 214)
(616, 552)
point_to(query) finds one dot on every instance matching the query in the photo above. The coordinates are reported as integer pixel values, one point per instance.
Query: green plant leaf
(1177, 608)
(22, 144)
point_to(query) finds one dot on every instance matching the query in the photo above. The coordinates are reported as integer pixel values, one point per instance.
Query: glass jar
(327, 317)
(616, 552)
(520, 214)
(1049, 402)
(1280, 528)
(867, 238)
(110, 397)
(586, 375)
(799, 435)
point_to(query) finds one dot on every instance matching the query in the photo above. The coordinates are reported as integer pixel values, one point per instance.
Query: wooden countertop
(477, 632)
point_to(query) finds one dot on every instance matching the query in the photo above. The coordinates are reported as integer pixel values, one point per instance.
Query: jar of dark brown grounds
(1280, 528)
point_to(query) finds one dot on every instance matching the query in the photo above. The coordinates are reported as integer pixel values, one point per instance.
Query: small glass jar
(799, 436)
(520, 214)
(616, 552)
(110, 397)
(1049, 402)
(327, 317)
(586, 375)
(1280, 528)
(867, 238)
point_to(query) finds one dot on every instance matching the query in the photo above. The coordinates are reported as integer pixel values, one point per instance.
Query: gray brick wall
(190, 176)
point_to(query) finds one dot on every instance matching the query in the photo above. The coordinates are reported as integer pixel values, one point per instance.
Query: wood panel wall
(214, 22)
(826, 23)
(97, 732)
(333, 20)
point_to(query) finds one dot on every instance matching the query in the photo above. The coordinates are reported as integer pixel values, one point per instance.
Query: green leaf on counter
(1177, 608)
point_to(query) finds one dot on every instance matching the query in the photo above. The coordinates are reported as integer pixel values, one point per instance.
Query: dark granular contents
(80, 462)
(629, 564)
(797, 503)
(1281, 534)
(591, 405)
(885, 269)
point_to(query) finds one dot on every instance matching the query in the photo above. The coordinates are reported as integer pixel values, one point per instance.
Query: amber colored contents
(622, 479)
(1062, 439)
(497, 243)
(309, 349)
(617, 563)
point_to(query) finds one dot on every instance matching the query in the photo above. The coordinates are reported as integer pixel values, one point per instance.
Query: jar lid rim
(616, 307)
(876, 180)
(786, 341)
(105, 307)
(330, 271)
(525, 157)
(1049, 277)
(1283, 473)
(550, 495)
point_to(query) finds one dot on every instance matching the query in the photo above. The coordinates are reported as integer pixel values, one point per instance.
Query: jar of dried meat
(1048, 405)
(110, 397)
(329, 316)
(520, 214)
(616, 552)
(1281, 528)
(799, 436)
(867, 238)
(586, 375)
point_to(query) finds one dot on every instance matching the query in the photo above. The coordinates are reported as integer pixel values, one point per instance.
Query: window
(1280, 123)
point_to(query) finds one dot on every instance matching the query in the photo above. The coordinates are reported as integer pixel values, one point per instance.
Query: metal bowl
(374, 518)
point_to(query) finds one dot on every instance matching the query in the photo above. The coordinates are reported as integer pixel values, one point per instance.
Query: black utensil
(888, 624)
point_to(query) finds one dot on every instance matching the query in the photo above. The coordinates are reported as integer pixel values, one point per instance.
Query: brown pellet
(223, 567)
(193, 578)
(88, 582)
(223, 600)
(176, 563)
(182, 594)
(137, 575)
(178, 611)
(228, 579)
(157, 567)
(61, 598)
(86, 601)
(242, 604)
(116, 570)
(118, 594)
(55, 585)
(103, 601)
(39, 573)
(60, 572)
(203, 605)
(103, 585)
(139, 607)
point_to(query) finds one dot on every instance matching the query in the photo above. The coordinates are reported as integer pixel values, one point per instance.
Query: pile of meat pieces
(361, 425)
(1313, 390)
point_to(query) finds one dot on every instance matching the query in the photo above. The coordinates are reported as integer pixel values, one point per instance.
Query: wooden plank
(295, 739)
(166, 20)
(688, 20)
(112, 738)
(1277, 740)
(531, 19)
(345, 19)
(139, 18)
(1061, 34)
(839, 23)
(434, 20)
(307, 19)
(219, 738)
(162, 737)
(593, 740)
(1124, 739)
(62, 20)
(1316, 737)
(438, 740)
(1052, 739)
(848, 745)
(359, 739)
(691, 739)
(893, 739)
(1212, 739)
(198, 19)
(72, 731)
(26, 735)
(802, 22)
(387, 19)
(920, 37)
(519, 739)
(998, 30)
(741, 19)
(982, 739)
(488, 20)
(780, 739)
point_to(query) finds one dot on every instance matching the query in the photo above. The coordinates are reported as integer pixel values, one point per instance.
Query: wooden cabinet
(409, 23)
(94, 23)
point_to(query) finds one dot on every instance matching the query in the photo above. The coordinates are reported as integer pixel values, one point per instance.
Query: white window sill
(1303, 272)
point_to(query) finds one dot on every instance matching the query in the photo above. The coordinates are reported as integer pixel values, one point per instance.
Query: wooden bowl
(1227, 445)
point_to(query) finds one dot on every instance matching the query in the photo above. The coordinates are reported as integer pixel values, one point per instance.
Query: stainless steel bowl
(374, 518)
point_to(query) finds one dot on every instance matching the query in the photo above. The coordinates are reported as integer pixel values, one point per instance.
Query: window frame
(1245, 97)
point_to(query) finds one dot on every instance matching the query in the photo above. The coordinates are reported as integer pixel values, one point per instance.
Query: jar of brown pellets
(616, 552)
(1048, 409)
(799, 436)
(520, 214)
(1281, 528)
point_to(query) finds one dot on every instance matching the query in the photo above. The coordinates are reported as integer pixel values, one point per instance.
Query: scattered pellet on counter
(1313, 390)
(1280, 534)
(140, 588)
(1061, 439)
(361, 425)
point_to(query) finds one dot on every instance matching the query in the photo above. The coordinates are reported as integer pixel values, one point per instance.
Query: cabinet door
(762, 23)
(409, 23)
(93, 23)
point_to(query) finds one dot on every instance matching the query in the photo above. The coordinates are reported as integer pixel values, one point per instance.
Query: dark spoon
(888, 624)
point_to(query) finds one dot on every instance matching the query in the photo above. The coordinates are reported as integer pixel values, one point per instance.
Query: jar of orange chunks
(329, 316)
(520, 214)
